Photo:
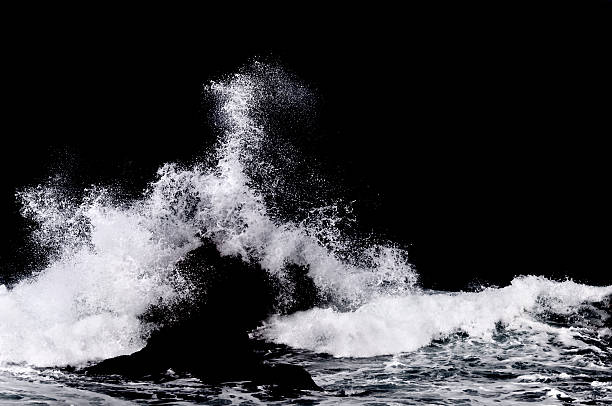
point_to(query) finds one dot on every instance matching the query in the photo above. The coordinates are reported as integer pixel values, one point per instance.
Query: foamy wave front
(395, 324)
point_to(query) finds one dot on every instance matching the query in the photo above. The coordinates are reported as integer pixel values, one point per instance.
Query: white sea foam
(394, 324)
(85, 304)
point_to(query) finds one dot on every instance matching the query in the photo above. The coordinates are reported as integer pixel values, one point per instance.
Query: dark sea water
(510, 368)
(375, 338)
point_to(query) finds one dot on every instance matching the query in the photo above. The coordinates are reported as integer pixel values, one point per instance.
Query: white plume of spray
(85, 304)
(111, 261)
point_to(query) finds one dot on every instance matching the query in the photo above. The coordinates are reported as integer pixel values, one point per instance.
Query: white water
(85, 305)
(395, 324)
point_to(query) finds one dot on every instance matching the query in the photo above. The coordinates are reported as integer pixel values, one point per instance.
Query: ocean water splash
(110, 261)
(86, 304)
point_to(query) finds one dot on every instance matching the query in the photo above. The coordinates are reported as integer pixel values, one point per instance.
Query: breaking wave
(395, 324)
(110, 260)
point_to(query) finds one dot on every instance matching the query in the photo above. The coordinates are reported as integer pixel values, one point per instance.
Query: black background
(478, 138)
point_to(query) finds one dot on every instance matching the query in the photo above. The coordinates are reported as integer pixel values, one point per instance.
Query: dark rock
(207, 336)
(286, 375)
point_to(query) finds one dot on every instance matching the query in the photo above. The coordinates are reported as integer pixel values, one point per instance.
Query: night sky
(479, 142)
